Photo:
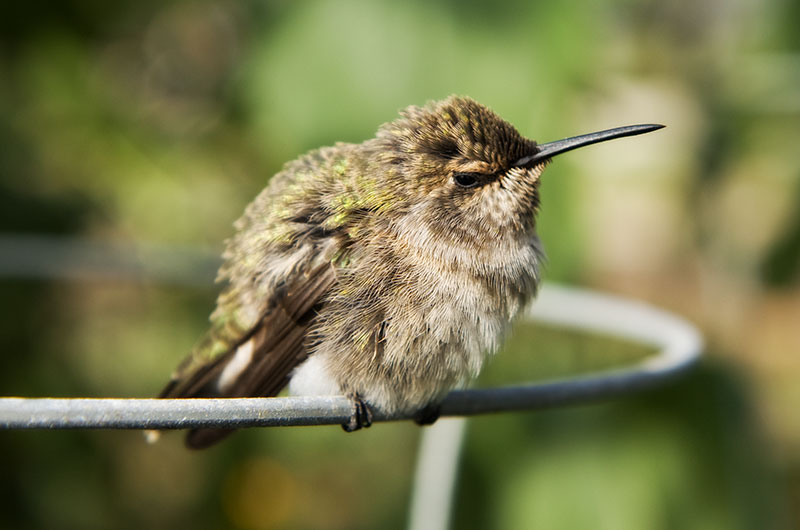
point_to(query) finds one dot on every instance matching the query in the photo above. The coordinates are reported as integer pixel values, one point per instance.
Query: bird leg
(362, 414)
(428, 415)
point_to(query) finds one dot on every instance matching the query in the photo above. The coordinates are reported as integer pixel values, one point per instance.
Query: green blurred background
(157, 122)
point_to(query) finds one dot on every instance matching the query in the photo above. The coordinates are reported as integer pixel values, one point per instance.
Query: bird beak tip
(551, 149)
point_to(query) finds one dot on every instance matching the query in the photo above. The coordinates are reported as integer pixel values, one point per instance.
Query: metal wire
(679, 342)
(48, 257)
(679, 345)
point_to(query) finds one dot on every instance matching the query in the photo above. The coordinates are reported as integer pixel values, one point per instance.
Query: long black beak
(552, 149)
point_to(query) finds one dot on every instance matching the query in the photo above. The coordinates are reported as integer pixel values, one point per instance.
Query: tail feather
(204, 438)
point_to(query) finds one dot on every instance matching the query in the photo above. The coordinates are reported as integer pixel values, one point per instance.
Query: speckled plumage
(373, 259)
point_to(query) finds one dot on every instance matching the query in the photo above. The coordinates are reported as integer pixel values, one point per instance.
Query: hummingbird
(386, 271)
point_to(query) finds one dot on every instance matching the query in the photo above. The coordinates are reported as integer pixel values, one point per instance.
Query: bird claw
(428, 415)
(362, 415)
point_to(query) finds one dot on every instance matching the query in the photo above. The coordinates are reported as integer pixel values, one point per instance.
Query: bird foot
(362, 415)
(428, 415)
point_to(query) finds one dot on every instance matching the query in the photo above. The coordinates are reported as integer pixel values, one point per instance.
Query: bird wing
(261, 362)
(280, 267)
(264, 355)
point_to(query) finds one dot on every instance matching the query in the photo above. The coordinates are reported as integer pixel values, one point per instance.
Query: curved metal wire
(679, 342)
(679, 345)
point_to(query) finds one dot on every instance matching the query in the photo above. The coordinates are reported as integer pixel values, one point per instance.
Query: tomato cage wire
(678, 344)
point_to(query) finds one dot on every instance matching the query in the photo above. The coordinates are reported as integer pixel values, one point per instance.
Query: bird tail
(201, 383)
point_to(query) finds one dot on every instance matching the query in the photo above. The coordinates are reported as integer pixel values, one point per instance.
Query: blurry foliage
(159, 121)
(781, 266)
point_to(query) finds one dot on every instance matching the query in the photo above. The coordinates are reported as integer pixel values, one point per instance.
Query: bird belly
(313, 378)
(428, 329)
(431, 349)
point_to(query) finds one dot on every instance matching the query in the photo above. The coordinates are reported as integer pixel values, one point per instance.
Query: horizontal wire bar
(679, 346)
(118, 413)
(49, 257)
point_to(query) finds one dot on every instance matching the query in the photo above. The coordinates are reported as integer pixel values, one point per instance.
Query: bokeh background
(154, 123)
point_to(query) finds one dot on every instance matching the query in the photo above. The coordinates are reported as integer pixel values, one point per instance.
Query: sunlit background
(138, 123)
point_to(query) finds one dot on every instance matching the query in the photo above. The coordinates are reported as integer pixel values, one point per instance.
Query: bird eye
(466, 180)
